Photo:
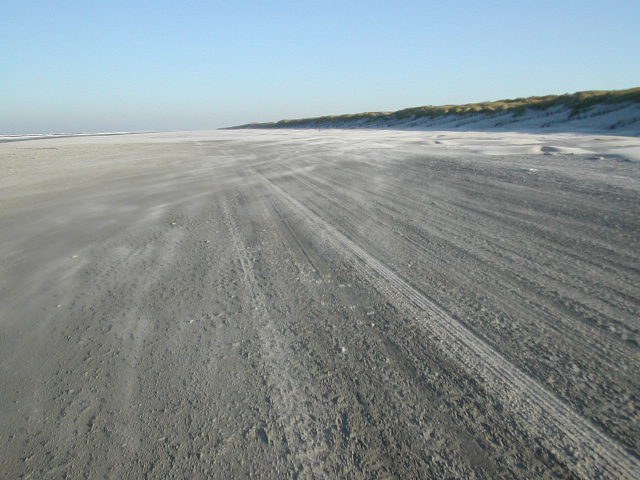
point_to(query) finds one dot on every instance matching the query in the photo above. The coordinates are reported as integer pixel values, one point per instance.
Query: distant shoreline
(45, 136)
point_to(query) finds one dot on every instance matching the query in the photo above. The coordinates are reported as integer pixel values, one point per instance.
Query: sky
(70, 66)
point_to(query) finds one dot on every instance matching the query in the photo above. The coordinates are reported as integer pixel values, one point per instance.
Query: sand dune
(606, 112)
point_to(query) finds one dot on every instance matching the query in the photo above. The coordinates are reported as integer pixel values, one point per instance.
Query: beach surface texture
(320, 304)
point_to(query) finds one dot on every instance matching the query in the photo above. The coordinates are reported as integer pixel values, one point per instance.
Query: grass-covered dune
(593, 110)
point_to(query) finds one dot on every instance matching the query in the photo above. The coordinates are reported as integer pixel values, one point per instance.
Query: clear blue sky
(143, 65)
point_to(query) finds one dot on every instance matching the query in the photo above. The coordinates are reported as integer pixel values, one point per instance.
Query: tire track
(393, 188)
(570, 437)
(583, 335)
(288, 392)
(384, 194)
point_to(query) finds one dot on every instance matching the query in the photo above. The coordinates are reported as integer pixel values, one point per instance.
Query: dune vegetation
(576, 103)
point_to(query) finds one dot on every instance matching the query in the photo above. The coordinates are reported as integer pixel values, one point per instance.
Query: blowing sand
(320, 304)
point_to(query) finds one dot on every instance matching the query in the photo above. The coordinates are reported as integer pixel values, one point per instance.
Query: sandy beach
(320, 304)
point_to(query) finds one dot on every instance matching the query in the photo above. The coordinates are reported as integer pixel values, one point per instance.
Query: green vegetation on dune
(576, 102)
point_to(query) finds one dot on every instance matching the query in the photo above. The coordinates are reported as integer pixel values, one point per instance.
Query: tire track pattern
(570, 437)
(580, 334)
(287, 391)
